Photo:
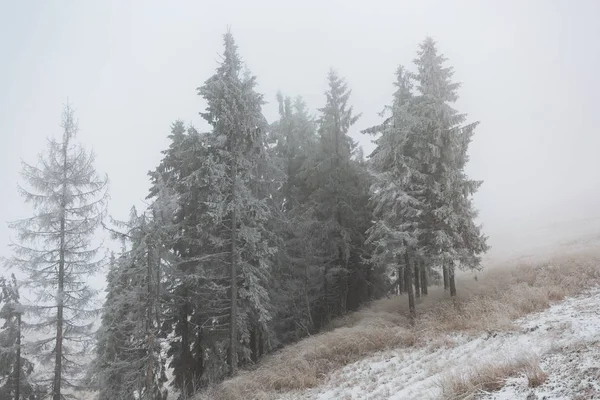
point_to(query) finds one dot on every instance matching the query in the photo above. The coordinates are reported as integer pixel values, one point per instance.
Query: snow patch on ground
(572, 361)
(565, 338)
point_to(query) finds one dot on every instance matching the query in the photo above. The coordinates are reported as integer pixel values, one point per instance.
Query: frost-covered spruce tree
(450, 233)
(336, 211)
(469, 238)
(55, 249)
(294, 136)
(295, 280)
(237, 208)
(15, 370)
(110, 364)
(190, 300)
(129, 362)
(397, 187)
(373, 278)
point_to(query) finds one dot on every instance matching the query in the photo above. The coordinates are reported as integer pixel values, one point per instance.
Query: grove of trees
(256, 235)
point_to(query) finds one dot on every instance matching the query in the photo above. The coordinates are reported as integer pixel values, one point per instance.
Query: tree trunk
(181, 372)
(253, 345)
(233, 277)
(150, 368)
(451, 279)
(400, 279)
(424, 279)
(157, 305)
(18, 360)
(56, 386)
(261, 343)
(343, 291)
(406, 278)
(346, 292)
(149, 325)
(158, 271)
(307, 302)
(417, 278)
(446, 281)
(325, 317)
(199, 359)
(369, 279)
(409, 289)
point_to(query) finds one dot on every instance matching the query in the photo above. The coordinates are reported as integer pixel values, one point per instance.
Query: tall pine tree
(336, 213)
(397, 190)
(110, 365)
(186, 311)
(451, 234)
(295, 287)
(130, 363)
(237, 207)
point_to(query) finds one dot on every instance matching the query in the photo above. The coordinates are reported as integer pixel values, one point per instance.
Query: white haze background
(130, 68)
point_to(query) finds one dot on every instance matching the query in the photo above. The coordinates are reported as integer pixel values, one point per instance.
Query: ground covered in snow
(565, 339)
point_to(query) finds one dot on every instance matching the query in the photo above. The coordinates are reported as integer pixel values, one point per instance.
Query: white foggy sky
(130, 68)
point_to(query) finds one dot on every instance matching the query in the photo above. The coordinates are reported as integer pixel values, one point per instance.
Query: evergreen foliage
(254, 236)
(336, 213)
(15, 369)
(130, 362)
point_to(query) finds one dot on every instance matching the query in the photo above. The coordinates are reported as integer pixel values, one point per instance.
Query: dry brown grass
(490, 377)
(491, 303)
(304, 364)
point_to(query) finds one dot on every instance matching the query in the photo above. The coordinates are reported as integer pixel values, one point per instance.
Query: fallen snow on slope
(565, 337)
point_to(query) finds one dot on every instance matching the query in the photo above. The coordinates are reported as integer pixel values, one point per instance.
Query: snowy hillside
(526, 331)
(565, 339)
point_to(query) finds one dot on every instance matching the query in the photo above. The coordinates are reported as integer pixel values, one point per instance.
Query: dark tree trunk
(233, 363)
(451, 279)
(446, 281)
(149, 324)
(401, 279)
(158, 278)
(198, 360)
(411, 294)
(183, 371)
(325, 315)
(357, 288)
(369, 279)
(309, 311)
(261, 343)
(407, 278)
(424, 279)
(253, 345)
(18, 360)
(344, 290)
(417, 278)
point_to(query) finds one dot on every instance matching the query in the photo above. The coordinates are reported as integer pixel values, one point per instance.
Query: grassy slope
(500, 296)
